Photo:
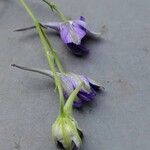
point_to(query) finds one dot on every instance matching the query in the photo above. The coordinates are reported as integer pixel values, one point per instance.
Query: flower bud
(66, 133)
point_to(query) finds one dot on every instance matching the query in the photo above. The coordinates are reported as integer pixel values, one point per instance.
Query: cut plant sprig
(49, 52)
(53, 7)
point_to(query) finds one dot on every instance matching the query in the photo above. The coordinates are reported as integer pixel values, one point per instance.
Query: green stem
(29, 11)
(57, 61)
(70, 100)
(51, 64)
(35, 20)
(46, 46)
(54, 7)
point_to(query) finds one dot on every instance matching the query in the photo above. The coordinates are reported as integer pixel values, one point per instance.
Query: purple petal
(93, 34)
(90, 95)
(78, 49)
(81, 23)
(65, 94)
(82, 18)
(71, 32)
(64, 33)
(78, 103)
(70, 81)
(86, 96)
(85, 80)
(67, 85)
(79, 29)
(95, 87)
(74, 79)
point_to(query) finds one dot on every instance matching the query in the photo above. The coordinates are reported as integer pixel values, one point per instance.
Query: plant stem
(70, 100)
(54, 6)
(47, 46)
(57, 61)
(36, 21)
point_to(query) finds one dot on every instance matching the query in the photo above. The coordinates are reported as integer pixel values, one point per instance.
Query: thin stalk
(46, 47)
(51, 64)
(36, 21)
(40, 71)
(53, 6)
(70, 100)
(57, 61)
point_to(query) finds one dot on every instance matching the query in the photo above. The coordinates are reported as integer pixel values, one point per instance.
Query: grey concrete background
(119, 119)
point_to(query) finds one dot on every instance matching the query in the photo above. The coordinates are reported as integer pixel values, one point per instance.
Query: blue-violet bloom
(69, 82)
(71, 32)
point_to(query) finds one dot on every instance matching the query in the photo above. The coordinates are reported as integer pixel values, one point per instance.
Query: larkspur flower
(71, 31)
(87, 93)
(69, 82)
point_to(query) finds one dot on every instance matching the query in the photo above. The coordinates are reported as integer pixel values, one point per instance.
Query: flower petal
(96, 86)
(86, 96)
(64, 33)
(91, 95)
(82, 18)
(102, 31)
(80, 31)
(78, 49)
(72, 32)
(67, 85)
(78, 103)
(93, 34)
(81, 23)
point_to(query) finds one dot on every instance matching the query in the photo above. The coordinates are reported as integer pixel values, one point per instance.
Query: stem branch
(53, 6)
(47, 46)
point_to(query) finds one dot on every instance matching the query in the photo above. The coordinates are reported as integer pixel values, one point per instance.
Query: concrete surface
(119, 119)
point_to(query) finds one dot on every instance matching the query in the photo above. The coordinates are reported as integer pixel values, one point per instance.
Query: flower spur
(71, 81)
(71, 31)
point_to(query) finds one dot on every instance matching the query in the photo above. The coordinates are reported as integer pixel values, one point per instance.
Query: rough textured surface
(118, 119)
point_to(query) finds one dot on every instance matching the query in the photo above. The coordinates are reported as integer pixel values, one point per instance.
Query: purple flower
(70, 82)
(87, 93)
(71, 32)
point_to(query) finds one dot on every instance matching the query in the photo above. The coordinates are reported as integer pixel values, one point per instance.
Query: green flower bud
(65, 130)
(66, 133)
